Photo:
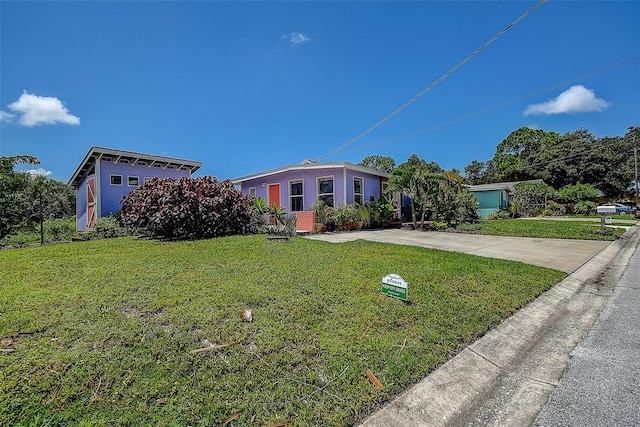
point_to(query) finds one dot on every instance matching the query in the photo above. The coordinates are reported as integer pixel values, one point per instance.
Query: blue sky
(249, 86)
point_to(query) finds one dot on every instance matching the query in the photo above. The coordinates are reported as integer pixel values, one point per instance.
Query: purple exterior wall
(108, 196)
(111, 195)
(371, 185)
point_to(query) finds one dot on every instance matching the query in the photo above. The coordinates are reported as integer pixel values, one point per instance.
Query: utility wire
(432, 85)
(495, 107)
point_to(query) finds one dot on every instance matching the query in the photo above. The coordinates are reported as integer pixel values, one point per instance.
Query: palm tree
(430, 187)
(8, 163)
(402, 180)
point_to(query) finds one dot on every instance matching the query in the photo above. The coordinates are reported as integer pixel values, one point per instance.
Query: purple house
(105, 175)
(296, 187)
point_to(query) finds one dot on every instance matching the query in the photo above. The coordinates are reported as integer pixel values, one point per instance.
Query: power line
(432, 85)
(495, 107)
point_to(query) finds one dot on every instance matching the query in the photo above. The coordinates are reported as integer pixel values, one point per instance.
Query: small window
(147, 179)
(133, 181)
(358, 185)
(325, 190)
(296, 197)
(252, 191)
(385, 188)
(115, 179)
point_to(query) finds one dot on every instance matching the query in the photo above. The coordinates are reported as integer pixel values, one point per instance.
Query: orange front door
(274, 194)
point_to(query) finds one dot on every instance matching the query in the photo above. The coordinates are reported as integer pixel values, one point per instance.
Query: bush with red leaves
(188, 208)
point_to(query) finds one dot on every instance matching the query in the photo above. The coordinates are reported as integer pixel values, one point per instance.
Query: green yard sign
(395, 286)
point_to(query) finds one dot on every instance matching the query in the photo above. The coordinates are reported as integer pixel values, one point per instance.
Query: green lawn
(102, 333)
(548, 229)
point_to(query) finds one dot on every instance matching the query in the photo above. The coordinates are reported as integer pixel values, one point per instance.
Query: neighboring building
(105, 175)
(297, 187)
(493, 197)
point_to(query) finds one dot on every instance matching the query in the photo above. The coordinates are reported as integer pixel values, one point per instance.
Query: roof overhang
(96, 153)
(304, 166)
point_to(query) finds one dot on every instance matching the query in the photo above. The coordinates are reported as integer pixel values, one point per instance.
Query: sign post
(395, 286)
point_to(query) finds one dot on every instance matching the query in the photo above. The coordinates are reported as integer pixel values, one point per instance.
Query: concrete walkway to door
(560, 254)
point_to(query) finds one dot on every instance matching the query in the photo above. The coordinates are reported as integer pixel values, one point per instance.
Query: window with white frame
(252, 191)
(325, 190)
(358, 190)
(133, 181)
(115, 179)
(296, 196)
(385, 188)
(147, 179)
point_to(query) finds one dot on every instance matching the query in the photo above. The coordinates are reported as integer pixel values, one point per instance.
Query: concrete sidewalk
(561, 254)
(506, 377)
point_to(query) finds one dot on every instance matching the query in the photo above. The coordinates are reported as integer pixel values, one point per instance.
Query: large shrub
(554, 209)
(112, 226)
(456, 208)
(531, 197)
(465, 208)
(584, 207)
(575, 197)
(577, 193)
(188, 208)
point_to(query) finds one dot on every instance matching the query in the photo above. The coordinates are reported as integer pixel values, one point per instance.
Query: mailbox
(606, 209)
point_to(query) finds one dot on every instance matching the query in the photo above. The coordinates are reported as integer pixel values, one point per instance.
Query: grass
(54, 230)
(547, 229)
(102, 333)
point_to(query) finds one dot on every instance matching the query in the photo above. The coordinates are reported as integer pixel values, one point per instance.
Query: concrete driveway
(564, 255)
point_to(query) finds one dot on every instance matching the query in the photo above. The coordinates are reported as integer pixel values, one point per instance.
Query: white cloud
(6, 117)
(576, 99)
(296, 38)
(39, 171)
(42, 110)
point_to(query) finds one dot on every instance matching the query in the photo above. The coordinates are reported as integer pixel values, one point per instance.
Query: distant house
(494, 197)
(296, 187)
(105, 175)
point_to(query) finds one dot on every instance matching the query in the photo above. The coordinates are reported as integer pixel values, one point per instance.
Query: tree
(13, 197)
(560, 160)
(609, 166)
(431, 187)
(475, 171)
(516, 157)
(7, 164)
(381, 163)
(422, 182)
(405, 179)
(572, 194)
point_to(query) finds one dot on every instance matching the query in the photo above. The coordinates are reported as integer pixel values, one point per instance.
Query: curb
(507, 376)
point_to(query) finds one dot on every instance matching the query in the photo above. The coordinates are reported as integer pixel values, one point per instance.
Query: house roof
(132, 157)
(310, 165)
(499, 185)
